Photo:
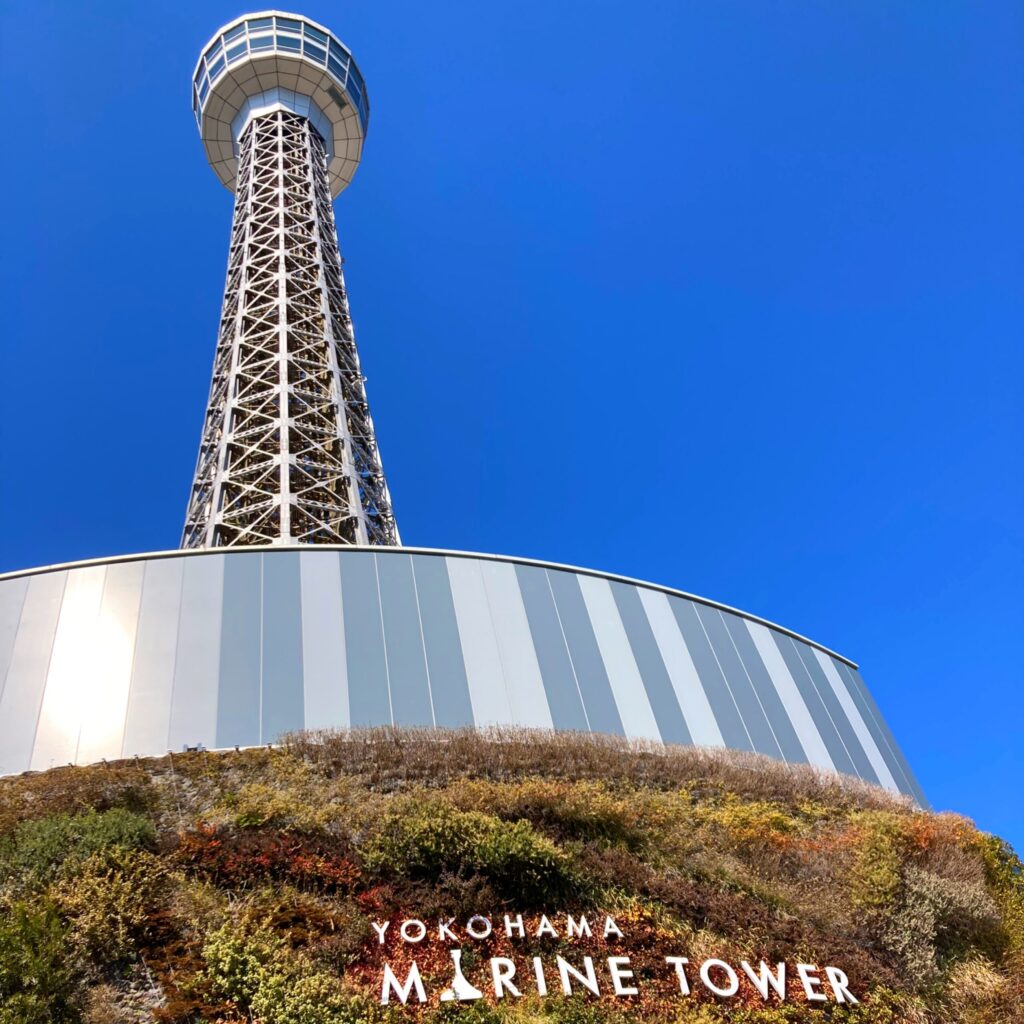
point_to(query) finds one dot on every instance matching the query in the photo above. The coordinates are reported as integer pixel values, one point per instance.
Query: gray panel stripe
(754, 718)
(325, 674)
(282, 708)
(782, 727)
(72, 669)
(598, 700)
(819, 713)
(631, 699)
(842, 723)
(647, 655)
(26, 676)
(12, 597)
(871, 720)
(856, 719)
(368, 694)
(915, 787)
(446, 668)
(403, 637)
(104, 711)
(149, 700)
(716, 686)
(238, 706)
(197, 662)
(560, 684)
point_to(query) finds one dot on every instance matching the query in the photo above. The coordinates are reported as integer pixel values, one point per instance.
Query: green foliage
(257, 972)
(36, 850)
(425, 840)
(39, 978)
(108, 901)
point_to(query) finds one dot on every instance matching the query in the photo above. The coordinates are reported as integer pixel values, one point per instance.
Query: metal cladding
(159, 652)
(288, 453)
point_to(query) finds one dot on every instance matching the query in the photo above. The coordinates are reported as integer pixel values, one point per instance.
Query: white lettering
(516, 925)
(617, 969)
(679, 963)
(538, 970)
(610, 927)
(545, 928)
(840, 985)
(588, 980)
(580, 929)
(390, 984)
(705, 976)
(764, 978)
(486, 927)
(444, 930)
(409, 927)
(381, 929)
(503, 971)
(811, 983)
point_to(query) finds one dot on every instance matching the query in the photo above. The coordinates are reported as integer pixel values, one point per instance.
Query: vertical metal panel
(853, 716)
(105, 708)
(26, 674)
(485, 675)
(12, 597)
(156, 640)
(627, 687)
(789, 692)
(860, 760)
(657, 681)
(700, 719)
(564, 699)
(281, 676)
(527, 696)
(591, 676)
(72, 670)
(914, 788)
(197, 661)
(716, 686)
(785, 734)
(445, 666)
(403, 638)
(754, 718)
(324, 668)
(368, 694)
(238, 706)
(809, 692)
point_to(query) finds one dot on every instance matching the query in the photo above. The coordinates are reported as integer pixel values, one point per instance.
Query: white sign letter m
(390, 984)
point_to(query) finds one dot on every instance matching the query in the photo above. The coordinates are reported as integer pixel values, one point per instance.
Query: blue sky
(724, 295)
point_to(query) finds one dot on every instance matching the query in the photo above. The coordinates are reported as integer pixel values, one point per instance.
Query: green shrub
(36, 850)
(40, 981)
(426, 840)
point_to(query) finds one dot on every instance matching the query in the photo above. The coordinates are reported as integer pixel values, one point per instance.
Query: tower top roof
(272, 60)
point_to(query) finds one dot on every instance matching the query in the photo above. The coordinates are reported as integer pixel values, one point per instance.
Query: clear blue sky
(721, 294)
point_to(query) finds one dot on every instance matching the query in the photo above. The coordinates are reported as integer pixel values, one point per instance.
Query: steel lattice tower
(288, 453)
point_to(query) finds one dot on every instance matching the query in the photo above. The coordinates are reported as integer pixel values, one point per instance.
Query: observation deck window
(236, 51)
(234, 33)
(318, 53)
(288, 42)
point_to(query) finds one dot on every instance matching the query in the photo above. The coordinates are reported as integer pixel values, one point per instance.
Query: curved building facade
(149, 653)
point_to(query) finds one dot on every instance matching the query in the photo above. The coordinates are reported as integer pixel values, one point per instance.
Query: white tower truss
(288, 453)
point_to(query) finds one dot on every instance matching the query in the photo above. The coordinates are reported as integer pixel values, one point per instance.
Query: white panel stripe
(324, 667)
(109, 675)
(700, 719)
(857, 721)
(26, 677)
(73, 670)
(638, 719)
(480, 651)
(806, 730)
(523, 681)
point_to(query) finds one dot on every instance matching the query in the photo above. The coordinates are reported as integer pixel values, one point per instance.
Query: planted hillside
(515, 877)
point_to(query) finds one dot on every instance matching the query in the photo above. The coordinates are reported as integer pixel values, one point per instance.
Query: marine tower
(288, 453)
(291, 604)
